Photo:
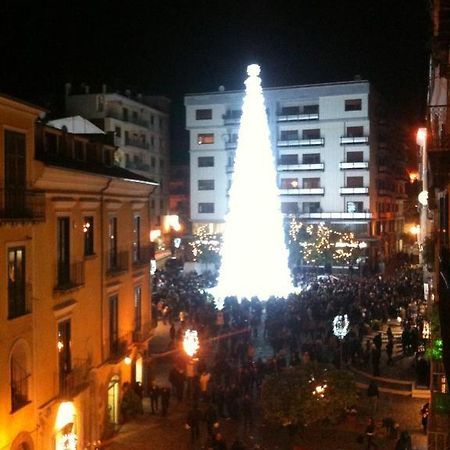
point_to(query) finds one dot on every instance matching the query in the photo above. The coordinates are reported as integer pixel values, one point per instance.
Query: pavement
(153, 432)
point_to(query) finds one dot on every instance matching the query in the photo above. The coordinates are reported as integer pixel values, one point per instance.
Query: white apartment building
(325, 143)
(141, 131)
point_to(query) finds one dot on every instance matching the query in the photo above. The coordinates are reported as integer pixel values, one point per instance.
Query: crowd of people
(225, 382)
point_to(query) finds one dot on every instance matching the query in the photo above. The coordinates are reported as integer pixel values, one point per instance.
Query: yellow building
(76, 298)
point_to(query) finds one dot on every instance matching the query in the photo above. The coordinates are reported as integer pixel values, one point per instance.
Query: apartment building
(326, 145)
(140, 125)
(76, 315)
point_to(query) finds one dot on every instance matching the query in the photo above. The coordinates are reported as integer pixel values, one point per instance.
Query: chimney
(103, 88)
(67, 88)
(86, 89)
(221, 88)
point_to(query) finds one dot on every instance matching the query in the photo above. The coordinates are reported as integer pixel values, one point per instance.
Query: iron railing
(19, 300)
(141, 255)
(70, 275)
(22, 204)
(117, 262)
(19, 386)
(143, 333)
(77, 379)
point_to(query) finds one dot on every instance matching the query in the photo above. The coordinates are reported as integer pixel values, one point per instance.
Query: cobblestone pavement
(158, 433)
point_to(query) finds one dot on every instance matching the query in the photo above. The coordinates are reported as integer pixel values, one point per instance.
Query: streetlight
(340, 330)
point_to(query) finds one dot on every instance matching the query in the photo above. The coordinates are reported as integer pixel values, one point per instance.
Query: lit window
(205, 138)
(289, 183)
(88, 231)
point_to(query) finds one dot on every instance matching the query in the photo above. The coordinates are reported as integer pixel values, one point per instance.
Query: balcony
(117, 262)
(110, 112)
(19, 301)
(231, 145)
(118, 349)
(137, 143)
(303, 191)
(335, 215)
(75, 381)
(349, 140)
(354, 190)
(141, 256)
(289, 143)
(70, 276)
(230, 168)
(297, 117)
(295, 167)
(345, 165)
(231, 119)
(314, 142)
(143, 334)
(18, 205)
(137, 165)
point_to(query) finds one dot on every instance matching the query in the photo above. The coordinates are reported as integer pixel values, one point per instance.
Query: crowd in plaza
(224, 383)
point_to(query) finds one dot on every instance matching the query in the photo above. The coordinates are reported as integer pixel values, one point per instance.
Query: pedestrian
(404, 442)
(425, 412)
(165, 400)
(370, 434)
(373, 394)
(154, 398)
(193, 423)
(375, 361)
(390, 350)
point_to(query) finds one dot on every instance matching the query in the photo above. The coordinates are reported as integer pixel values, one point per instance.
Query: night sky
(175, 47)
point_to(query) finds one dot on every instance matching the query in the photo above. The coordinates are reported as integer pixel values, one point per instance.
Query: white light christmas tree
(254, 254)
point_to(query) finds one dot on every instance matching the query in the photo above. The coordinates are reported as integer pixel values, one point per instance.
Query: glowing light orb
(340, 326)
(254, 253)
(190, 342)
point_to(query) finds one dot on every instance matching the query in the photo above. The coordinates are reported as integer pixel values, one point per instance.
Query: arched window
(19, 375)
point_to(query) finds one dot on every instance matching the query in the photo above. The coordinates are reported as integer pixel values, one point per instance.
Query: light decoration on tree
(254, 253)
(191, 342)
(319, 390)
(340, 326)
(318, 243)
(204, 243)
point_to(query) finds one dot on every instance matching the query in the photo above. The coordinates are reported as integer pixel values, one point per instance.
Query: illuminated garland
(316, 242)
(205, 243)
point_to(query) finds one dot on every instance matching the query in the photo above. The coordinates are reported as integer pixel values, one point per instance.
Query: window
(288, 159)
(206, 207)
(136, 238)
(289, 207)
(152, 140)
(88, 231)
(311, 158)
(311, 207)
(353, 104)
(153, 162)
(63, 251)
(114, 324)
(355, 207)
(112, 233)
(289, 183)
(64, 353)
(290, 111)
(354, 182)
(233, 114)
(232, 138)
(118, 131)
(289, 135)
(311, 109)
(203, 114)
(125, 114)
(19, 373)
(205, 161)
(100, 103)
(205, 185)
(311, 183)
(311, 134)
(205, 138)
(17, 304)
(134, 116)
(355, 131)
(152, 120)
(137, 308)
(355, 156)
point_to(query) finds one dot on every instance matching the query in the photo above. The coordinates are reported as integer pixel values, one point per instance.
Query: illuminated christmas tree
(254, 254)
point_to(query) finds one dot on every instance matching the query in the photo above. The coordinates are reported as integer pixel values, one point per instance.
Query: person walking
(425, 412)
(154, 398)
(165, 400)
(193, 423)
(404, 442)
(390, 350)
(370, 434)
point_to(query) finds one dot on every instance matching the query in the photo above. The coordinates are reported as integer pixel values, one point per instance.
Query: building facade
(332, 166)
(140, 125)
(76, 295)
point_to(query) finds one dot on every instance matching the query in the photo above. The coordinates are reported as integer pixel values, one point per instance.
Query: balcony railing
(19, 301)
(117, 262)
(75, 381)
(346, 140)
(294, 167)
(142, 255)
(312, 142)
(118, 348)
(302, 191)
(137, 143)
(143, 334)
(346, 165)
(18, 204)
(119, 116)
(336, 215)
(230, 145)
(230, 119)
(70, 276)
(288, 142)
(19, 386)
(297, 117)
(354, 190)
